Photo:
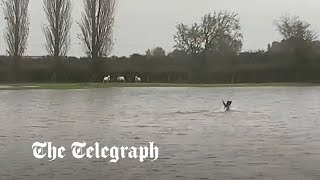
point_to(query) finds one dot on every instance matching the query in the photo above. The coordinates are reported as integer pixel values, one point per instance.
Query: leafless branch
(294, 27)
(17, 29)
(96, 27)
(57, 31)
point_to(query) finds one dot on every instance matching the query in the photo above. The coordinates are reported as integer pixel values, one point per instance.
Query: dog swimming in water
(227, 105)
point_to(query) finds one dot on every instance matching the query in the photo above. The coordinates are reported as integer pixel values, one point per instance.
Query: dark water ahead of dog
(270, 133)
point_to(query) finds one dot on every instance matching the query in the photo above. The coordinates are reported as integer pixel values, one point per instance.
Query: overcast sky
(143, 24)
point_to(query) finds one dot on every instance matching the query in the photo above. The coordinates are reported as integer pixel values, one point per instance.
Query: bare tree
(17, 30)
(188, 39)
(57, 31)
(217, 32)
(294, 27)
(221, 32)
(96, 27)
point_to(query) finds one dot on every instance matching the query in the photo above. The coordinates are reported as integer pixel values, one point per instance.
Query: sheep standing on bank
(137, 79)
(121, 78)
(106, 79)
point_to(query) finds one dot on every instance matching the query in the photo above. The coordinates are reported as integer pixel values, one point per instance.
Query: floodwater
(270, 133)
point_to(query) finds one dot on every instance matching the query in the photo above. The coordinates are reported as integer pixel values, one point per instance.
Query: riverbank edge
(109, 85)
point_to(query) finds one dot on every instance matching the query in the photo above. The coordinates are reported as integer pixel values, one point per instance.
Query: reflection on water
(271, 132)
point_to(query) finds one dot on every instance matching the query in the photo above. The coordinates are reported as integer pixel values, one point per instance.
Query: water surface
(271, 132)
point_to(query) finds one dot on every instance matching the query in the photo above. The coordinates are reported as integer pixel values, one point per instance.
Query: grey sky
(143, 24)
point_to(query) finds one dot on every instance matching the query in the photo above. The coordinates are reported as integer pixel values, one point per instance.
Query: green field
(100, 85)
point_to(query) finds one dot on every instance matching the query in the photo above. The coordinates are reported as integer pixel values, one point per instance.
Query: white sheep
(121, 78)
(106, 79)
(137, 79)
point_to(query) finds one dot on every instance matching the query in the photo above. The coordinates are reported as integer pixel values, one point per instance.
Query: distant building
(34, 57)
(275, 47)
(316, 46)
(291, 45)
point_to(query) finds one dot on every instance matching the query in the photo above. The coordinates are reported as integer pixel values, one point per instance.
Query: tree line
(96, 25)
(199, 47)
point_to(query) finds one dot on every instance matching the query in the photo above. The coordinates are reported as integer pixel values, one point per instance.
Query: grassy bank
(100, 85)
